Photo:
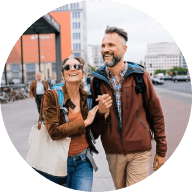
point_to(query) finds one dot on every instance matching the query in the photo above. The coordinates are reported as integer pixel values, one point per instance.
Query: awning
(43, 25)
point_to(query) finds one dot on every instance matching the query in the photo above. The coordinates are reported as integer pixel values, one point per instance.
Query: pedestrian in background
(37, 89)
(127, 139)
(80, 162)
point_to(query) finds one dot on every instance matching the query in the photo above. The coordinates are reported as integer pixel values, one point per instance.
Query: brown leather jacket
(55, 121)
(34, 85)
(135, 128)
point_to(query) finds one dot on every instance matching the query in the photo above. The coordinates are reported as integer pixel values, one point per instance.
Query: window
(30, 67)
(76, 25)
(76, 15)
(77, 46)
(77, 54)
(76, 35)
(30, 76)
(77, 5)
(30, 72)
(15, 67)
(15, 75)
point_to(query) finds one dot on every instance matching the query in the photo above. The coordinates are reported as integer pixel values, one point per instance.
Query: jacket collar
(83, 95)
(133, 68)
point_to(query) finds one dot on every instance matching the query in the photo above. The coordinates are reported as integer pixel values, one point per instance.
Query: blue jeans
(79, 173)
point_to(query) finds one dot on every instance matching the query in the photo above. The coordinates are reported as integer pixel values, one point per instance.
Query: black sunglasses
(67, 67)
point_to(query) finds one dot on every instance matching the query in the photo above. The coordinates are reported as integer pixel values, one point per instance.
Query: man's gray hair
(119, 31)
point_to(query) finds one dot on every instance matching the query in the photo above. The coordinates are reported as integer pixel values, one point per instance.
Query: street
(19, 117)
(180, 86)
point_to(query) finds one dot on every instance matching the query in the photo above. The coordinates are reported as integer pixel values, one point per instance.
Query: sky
(142, 29)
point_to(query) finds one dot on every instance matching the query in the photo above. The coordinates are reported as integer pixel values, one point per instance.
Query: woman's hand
(91, 116)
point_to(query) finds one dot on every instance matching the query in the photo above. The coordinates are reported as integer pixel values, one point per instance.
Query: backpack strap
(65, 111)
(96, 86)
(89, 101)
(140, 84)
(90, 106)
(61, 98)
(141, 88)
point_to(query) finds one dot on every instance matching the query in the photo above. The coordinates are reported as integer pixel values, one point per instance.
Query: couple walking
(120, 115)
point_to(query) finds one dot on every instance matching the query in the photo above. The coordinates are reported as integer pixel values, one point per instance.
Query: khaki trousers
(128, 169)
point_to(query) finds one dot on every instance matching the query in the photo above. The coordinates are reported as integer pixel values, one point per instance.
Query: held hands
(105, 102)
(91, 116)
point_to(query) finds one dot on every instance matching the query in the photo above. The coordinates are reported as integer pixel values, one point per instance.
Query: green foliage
(173, 71)
(92, 68)
(160, 71)
(178, 71)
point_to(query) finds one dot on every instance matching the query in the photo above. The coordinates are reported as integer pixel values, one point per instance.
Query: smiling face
(72, 75)
(112, 49)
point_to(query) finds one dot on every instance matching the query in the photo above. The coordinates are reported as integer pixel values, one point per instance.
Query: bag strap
(96, 86)
(41, 109)
(61, 99)
(90, 106)
(89, 103)
(140, 85)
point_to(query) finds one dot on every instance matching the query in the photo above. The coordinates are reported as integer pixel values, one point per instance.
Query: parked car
(181, 78)
(167, 77)
(159, 75)
(157, 81)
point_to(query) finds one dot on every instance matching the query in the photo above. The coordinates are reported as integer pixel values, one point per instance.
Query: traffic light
(171, 73)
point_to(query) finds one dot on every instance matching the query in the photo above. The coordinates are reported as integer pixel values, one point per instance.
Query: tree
(177, 70)
(159, 71)
(92, 68)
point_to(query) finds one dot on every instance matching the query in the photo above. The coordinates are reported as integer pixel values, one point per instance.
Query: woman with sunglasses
(81, 121)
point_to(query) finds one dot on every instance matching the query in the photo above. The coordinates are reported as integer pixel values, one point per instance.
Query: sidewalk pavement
(19, 117)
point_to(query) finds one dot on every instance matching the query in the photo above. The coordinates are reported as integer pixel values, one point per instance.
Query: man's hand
(105, 103)
(158, 162)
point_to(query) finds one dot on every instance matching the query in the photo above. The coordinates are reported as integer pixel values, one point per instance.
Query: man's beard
(113, 62)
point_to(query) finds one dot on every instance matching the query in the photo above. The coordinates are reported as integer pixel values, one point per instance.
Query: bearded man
(127, 139)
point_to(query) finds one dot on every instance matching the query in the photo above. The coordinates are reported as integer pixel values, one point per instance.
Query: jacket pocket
(141, 120)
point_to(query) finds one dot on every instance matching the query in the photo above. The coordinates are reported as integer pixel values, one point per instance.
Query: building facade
(95, 58)
(47, 51)
(163, 56)
(78, 28)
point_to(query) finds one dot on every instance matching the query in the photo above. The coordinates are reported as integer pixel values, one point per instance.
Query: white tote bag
(47, 155)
